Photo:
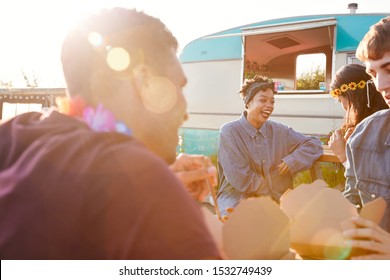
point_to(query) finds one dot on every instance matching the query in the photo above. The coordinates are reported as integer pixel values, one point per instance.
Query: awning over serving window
(349, 29)
(281, 27)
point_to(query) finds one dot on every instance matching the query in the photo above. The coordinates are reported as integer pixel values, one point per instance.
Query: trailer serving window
(274, 50)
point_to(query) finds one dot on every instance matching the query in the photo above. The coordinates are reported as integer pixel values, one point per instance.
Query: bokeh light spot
(118, 59)
(332, 242)
(159, 96)
(95, 39)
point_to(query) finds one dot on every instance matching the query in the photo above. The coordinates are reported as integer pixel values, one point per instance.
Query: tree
(27, 79)
(5, 84)
(311, 78)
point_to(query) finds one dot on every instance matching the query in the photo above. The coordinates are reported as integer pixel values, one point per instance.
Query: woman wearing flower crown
(353, 88)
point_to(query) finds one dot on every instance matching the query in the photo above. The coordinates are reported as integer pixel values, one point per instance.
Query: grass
(333, 174)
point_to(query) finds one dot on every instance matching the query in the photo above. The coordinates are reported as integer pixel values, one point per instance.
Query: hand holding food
(368, 235)
(197, 173)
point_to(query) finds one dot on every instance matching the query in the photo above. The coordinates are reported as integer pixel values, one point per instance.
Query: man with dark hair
(93, 181)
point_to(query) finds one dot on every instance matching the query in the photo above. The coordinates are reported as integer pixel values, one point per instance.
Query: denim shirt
(368, 160)
(248, 160)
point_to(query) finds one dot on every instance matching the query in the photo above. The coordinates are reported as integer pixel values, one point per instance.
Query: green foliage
(214, 159)
(250, 74)
(302, 178)
(333, 175)
(311, 79)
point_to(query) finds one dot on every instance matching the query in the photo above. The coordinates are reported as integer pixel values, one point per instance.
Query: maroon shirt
(67, 192)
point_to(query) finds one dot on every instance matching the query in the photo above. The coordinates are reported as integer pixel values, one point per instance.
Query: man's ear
(99, 86)
(141, 74)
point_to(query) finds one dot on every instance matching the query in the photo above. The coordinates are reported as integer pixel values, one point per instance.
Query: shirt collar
(248, 127)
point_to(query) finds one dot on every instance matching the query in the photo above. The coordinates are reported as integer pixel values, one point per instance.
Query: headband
(253, 89)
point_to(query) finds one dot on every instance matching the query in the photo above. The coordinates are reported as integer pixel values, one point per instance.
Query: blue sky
(32, 31)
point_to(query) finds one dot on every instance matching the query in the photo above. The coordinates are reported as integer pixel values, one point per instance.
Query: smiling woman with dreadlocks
(258, 156)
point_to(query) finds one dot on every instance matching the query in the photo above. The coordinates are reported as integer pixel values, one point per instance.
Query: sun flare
(32, 34)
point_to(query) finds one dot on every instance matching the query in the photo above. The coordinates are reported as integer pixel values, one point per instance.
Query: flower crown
(344, 87)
